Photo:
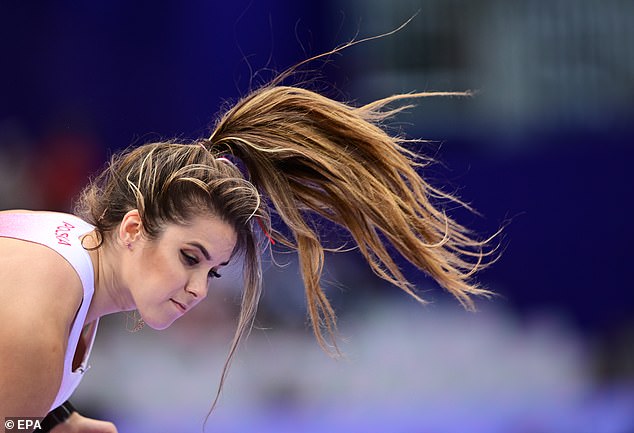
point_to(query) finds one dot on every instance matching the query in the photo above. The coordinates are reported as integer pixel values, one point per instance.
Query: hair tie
(266, 233)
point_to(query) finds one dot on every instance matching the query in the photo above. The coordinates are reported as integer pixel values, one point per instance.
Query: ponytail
(309, 154)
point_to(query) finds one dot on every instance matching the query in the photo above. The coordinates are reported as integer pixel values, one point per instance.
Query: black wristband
(56, 416)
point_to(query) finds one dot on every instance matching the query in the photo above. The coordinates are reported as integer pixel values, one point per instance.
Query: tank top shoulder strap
(58, 231)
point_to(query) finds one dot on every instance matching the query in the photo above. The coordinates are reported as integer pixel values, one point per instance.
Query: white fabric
(61, 232)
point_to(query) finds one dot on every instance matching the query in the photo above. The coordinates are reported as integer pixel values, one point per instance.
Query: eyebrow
(205, 252)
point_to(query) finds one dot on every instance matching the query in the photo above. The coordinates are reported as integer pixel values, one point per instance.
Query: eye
(214, 274)
(190, 260)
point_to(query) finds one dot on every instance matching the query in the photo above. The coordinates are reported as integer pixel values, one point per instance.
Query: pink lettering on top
(61, 233)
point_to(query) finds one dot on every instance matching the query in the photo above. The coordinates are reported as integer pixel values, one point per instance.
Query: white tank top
(61, 232)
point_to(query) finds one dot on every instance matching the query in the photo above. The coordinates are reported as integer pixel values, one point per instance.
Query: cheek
(160, 270)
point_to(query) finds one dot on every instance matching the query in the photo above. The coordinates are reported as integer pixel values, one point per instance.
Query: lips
(180, 306)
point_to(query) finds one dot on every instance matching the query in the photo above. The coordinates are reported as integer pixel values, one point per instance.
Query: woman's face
(171, 275)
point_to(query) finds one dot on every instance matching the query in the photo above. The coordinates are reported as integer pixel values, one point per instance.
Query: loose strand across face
(252, 275)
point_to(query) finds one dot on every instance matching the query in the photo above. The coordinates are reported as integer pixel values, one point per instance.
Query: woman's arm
(39, 296)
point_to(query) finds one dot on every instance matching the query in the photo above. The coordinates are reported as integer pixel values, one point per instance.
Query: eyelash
(192, 261)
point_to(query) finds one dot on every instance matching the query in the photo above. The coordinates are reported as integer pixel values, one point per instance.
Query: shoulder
(34, 276)
(40, 294)
(36, 279)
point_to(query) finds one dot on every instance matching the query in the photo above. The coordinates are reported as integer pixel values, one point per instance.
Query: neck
(110, 295)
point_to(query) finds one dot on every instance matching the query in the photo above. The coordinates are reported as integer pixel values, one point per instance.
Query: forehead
(215, 235)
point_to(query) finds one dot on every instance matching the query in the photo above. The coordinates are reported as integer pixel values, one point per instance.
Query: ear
(130, 227)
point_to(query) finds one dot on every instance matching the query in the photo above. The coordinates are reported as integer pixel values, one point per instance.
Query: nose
(198, 288)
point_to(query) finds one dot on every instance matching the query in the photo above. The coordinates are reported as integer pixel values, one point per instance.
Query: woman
(155, 228)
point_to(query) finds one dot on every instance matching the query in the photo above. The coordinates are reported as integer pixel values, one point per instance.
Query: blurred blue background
(545, 144)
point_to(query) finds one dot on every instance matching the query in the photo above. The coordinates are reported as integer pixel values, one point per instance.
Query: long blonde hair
(311, 155)
(304, 155)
